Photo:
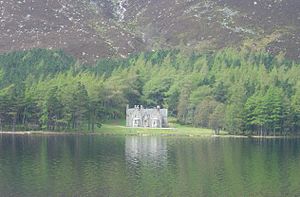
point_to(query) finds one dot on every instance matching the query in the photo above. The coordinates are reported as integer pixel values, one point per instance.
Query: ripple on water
(155, 166)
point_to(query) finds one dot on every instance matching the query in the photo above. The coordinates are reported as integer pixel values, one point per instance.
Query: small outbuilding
(143, 117)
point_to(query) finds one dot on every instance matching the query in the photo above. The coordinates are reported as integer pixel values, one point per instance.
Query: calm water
(147, 166)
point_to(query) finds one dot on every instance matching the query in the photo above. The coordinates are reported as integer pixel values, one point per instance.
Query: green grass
(117, 127)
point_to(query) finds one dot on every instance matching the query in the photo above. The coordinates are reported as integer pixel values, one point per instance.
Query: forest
(237, 90)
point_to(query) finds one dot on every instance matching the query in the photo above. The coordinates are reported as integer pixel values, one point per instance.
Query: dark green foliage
(239, 91)
(17, 66)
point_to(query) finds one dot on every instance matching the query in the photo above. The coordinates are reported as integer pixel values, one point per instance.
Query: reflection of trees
(145, 149)
(61, 166)
(236, 167)
(151, 166)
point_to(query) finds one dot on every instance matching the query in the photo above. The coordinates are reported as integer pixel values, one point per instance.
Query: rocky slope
(89, 29)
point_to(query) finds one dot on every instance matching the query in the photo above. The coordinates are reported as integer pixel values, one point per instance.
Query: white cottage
(141, 117)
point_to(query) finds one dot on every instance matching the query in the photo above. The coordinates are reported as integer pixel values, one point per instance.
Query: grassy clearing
(117, 127)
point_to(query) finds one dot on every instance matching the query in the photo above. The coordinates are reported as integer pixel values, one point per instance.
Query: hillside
(91, 29)
(237, 91)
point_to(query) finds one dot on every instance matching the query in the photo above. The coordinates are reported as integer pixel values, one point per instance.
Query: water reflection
(145, 149)
(147, 166)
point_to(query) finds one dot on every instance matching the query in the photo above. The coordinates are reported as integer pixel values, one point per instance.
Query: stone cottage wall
(141, 117)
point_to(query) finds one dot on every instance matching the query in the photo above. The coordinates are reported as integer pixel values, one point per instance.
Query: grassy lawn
(117, 127)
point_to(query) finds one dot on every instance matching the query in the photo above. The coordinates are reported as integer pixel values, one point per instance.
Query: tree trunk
(93, 127)
(89, 122)
(73, 120)
(14, 123)
(24, 116)
(93, 120)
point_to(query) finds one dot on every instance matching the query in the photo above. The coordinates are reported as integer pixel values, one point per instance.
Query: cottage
(141, 117)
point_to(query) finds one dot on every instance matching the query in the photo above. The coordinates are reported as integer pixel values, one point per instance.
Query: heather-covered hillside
(90, 29)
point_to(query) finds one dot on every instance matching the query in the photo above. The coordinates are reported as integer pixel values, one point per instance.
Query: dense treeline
(239, 91)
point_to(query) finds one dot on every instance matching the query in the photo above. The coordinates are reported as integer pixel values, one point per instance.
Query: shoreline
(57, 133)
